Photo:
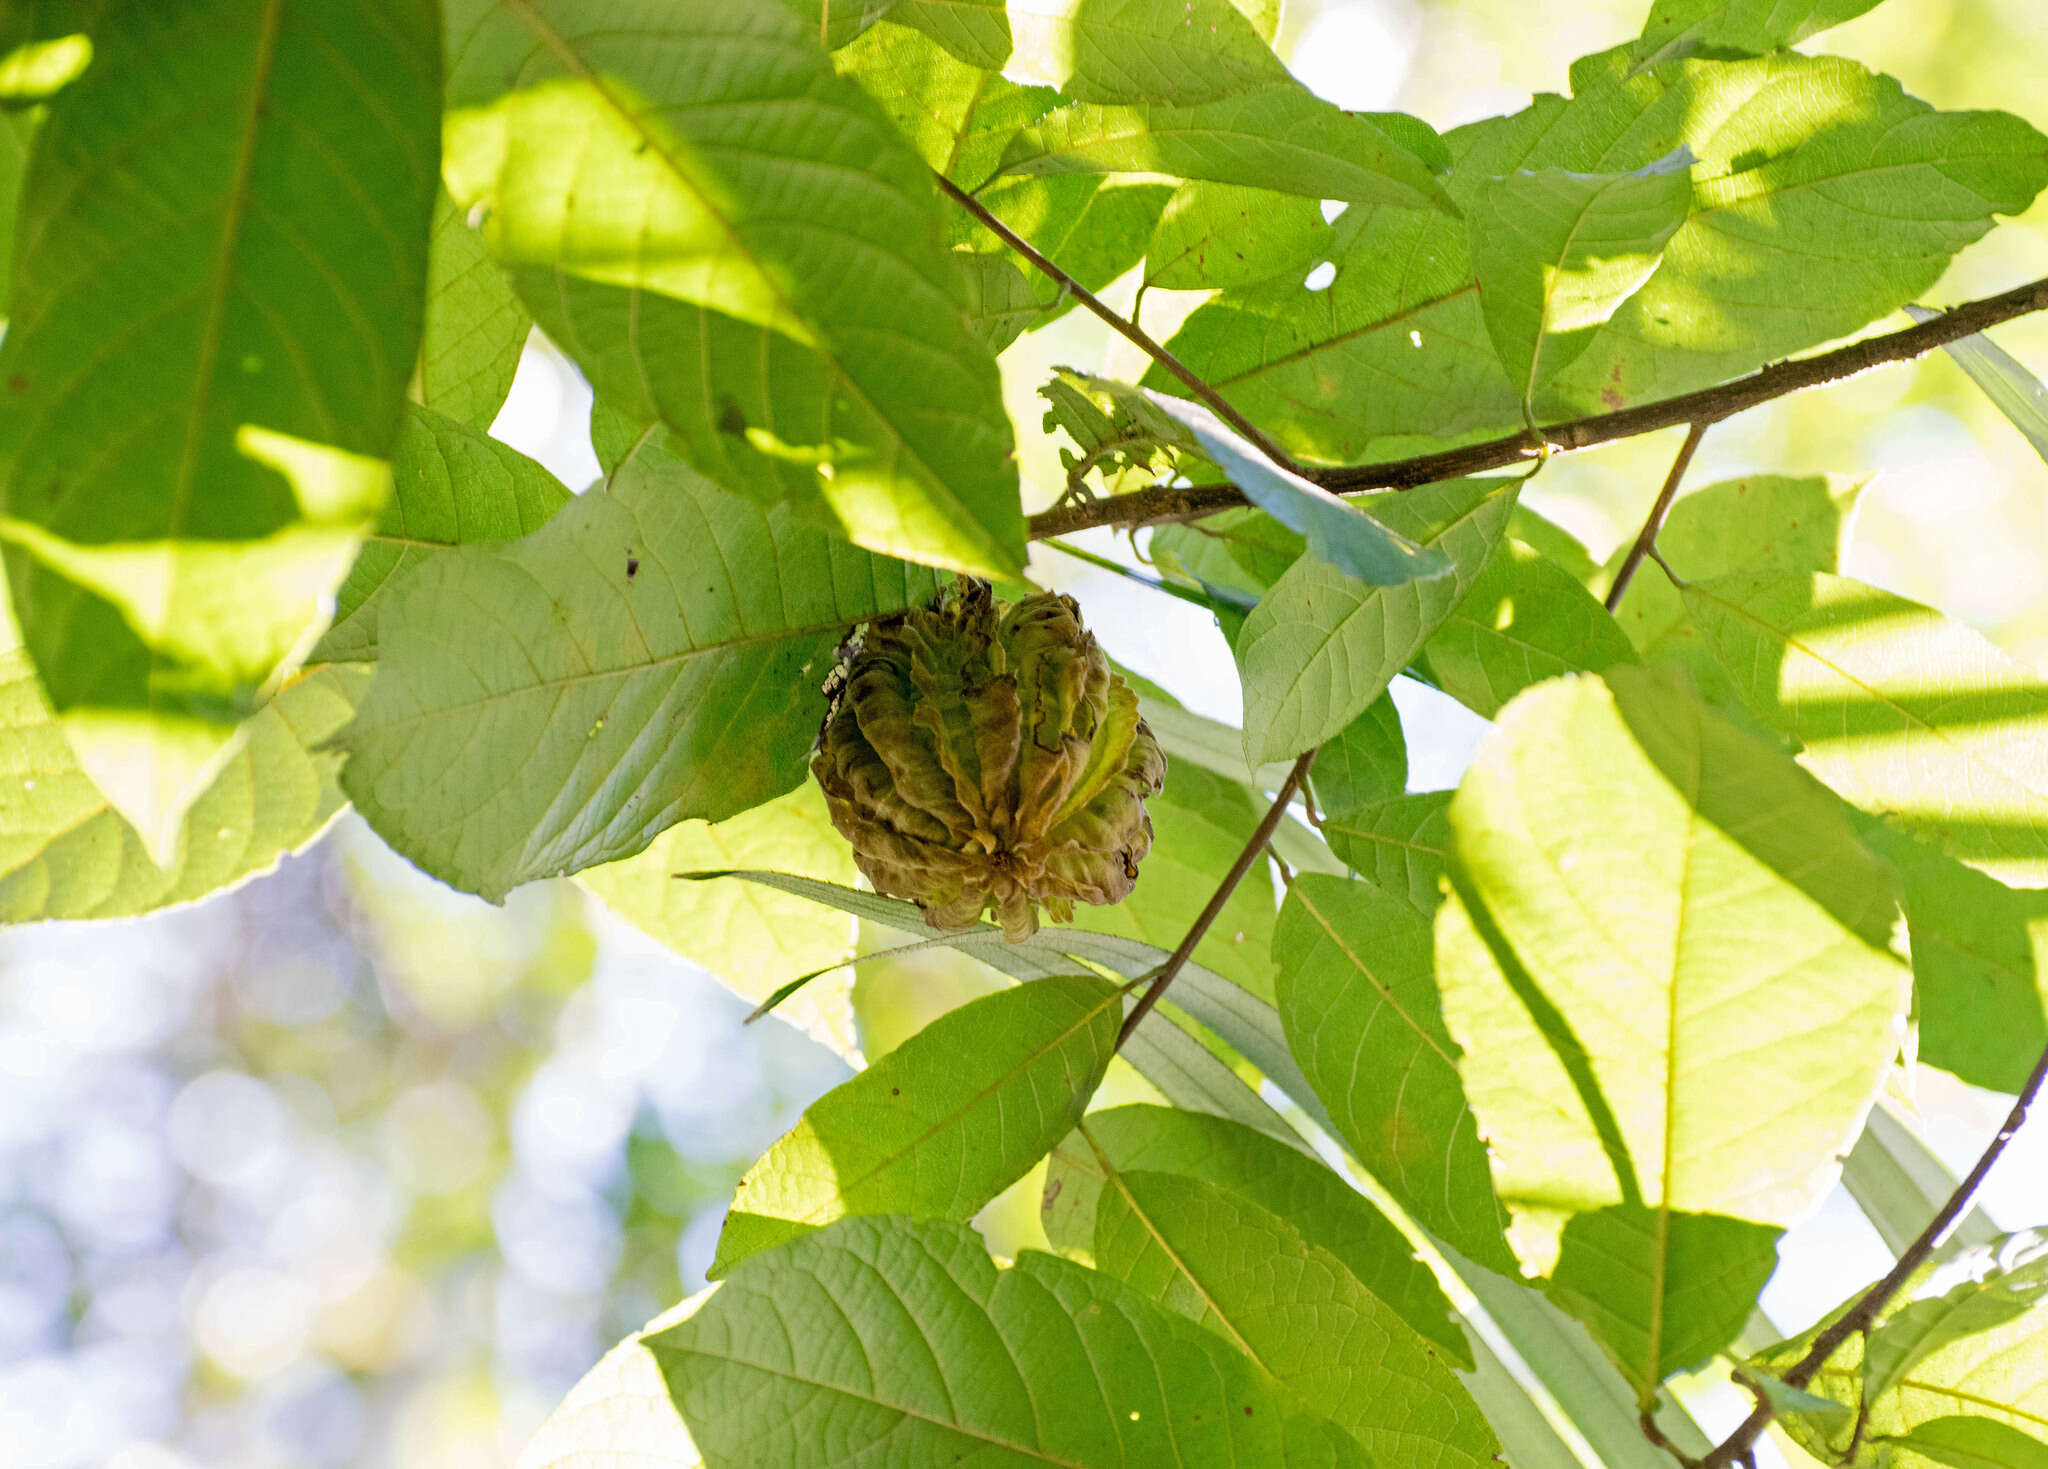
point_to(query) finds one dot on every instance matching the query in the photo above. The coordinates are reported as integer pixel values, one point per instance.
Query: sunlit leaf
(1214, 235)
(774, 243)
(1666, 960)
(1901, 710)
(940, 1125)
(652, 654)
(214, 311)
(1715, 27)
(1401, 844)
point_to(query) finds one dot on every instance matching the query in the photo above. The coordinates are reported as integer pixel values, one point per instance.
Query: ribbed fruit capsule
(984, 755)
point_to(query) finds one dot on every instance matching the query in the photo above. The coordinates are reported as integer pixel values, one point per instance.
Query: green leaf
(1190, 738)
(214, 311)
(1002, 303)
(1899, 709)
(475, 327)
(940, 1125)
(17, 135)
(1341, 534)
(1973, 1443)
(1294, 1309)
(1665, 958)
(1279, 136)
(1842, 195)
(1321, 647)
(975, 31)
(904, 1333)
(959, 116)
(1200, 822)
(1555, 252)
(66, 853)
(1745, 27)
(619, 1413)
(1978, 1350)
(1400, 845)
(1215, 235)
(1980, 964)
(1365, 763)
(2016, 392)
(1899, 1183)
(1244, 549)
(452, 485)
(1526, 619)
(1136, 51)
(1198, 1082)
(1092, 228)
(652, 654)
(729, 237)
(1357, 997)
(1328, 1213)
(1554, 541)
(750, 938)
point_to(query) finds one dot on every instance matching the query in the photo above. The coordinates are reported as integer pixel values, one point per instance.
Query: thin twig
(1654, 522)
(1863, 1315)
(1168, 502)
(1177, 960)
(1124, 327)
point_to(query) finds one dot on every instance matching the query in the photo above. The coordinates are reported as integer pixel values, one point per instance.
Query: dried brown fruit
(984, 755)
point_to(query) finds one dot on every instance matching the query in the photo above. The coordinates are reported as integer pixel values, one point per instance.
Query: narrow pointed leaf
(940, 1125)
(1341, 534)
(700, 172)
(652, 654)
(2018, 393)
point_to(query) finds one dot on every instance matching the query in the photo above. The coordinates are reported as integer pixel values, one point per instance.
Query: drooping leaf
(752, 939)
(1295, 1309)
(652, 654)
(1215, 235)
(1525, 620)
(2018, 394)
(1327, 1212)
(1278, 136)
(1902, 711)
(1679, 28)
(1401, 845)
(794, 318)
(1899, 1183)
(452, 485)
(1666, 960)
(1363, 548)
(1320, 647)
(1556, 252)
(940, 1125)
(475, 326)
(1357, 997)
(214, 311)
(904, 1332)
(1367, 762)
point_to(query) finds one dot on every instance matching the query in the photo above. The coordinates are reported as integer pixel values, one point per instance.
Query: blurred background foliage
(343, 1168)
